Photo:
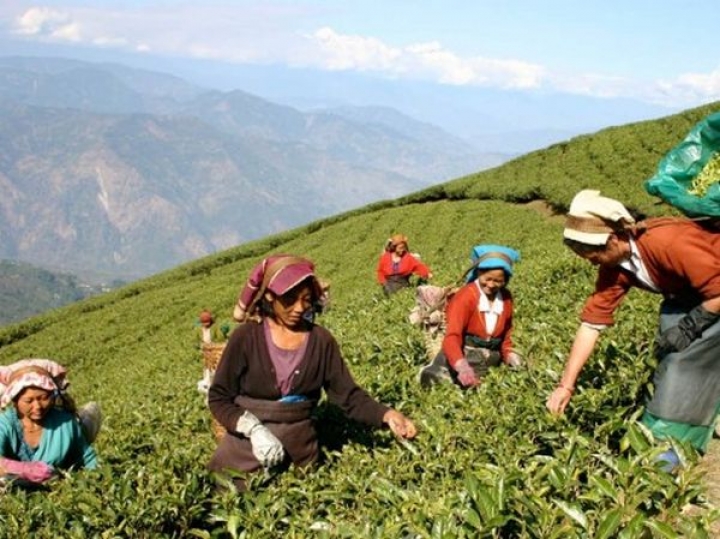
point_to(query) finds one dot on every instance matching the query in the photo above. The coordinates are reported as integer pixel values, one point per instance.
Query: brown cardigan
(246, 369)
(681, 257)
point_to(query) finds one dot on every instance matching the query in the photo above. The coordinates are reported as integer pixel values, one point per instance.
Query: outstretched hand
(466, 374)
(558, 400)
(400, 425)
(514, 360)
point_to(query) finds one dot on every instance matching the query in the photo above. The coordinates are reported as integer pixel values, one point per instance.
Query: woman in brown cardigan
(272, 372)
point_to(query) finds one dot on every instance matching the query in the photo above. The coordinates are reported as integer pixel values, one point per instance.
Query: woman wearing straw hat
(272, 372)
(397, 265)
(679, 259)
(39, 431)
(479, 322)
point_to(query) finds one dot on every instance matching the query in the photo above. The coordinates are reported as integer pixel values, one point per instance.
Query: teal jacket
(63, 444)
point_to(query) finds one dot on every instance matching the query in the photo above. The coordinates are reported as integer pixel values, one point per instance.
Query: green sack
(678, 168)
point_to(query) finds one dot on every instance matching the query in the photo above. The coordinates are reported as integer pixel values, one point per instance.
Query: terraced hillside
(487, 463)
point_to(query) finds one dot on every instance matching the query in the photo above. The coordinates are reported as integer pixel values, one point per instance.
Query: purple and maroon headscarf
(279, 274)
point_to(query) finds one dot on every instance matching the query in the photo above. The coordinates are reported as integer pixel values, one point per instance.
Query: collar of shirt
(635, 266)
(486, 306)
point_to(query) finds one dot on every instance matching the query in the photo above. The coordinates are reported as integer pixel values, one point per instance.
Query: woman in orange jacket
(479, 318)
(397, 265)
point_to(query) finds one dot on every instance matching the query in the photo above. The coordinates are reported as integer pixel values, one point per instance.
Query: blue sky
(658, 52)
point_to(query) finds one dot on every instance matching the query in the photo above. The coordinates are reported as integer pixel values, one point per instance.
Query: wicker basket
(212, 352)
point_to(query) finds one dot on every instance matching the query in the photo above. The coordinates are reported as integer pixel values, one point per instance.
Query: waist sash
(393, 283)
(275, 411)
(290, 422)
(492, 343)
(687, 383)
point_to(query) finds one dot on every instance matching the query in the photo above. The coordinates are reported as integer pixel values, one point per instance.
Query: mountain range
(126, 172)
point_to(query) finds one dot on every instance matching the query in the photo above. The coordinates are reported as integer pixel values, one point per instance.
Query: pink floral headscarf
(41, 373)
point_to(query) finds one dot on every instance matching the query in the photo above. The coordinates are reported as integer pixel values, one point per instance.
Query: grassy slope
(134, 351)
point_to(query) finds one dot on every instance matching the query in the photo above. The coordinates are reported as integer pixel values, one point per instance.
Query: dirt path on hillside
(544, 209)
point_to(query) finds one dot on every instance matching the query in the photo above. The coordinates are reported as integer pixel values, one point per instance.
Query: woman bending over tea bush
(479, 318)
(679, 259)
(39, 431)
(272, 371)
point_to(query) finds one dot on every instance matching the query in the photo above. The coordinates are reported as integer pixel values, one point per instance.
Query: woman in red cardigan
(478, 321)
(397, 265)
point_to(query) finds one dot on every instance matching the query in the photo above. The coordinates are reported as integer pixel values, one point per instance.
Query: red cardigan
(681, 257)
(463, 318)
(408, 266)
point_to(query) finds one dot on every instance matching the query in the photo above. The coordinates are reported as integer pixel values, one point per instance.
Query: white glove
(514, 360)
(265, 445)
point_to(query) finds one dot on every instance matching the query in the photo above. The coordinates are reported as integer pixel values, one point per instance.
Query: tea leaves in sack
(687, 177)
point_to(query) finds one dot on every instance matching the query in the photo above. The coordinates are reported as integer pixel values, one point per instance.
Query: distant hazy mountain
(111, 88)
(129, 172)
(26, 290)
(504, 120)
(368, 137)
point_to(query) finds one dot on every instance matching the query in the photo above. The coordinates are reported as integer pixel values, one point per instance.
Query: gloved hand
(466, 374)
(34, 471)
(265, 445)
(514, 360)
(689, 328)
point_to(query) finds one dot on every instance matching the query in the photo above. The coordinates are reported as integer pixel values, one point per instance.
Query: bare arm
(712, 305)
(585, 340)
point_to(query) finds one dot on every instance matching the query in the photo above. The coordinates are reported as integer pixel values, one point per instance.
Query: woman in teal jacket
(37, 437)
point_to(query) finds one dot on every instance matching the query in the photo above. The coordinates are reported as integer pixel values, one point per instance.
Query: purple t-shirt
(285, 362)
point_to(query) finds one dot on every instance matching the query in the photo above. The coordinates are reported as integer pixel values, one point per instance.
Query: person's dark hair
(476, 272)
(265, 306)
(582, 248)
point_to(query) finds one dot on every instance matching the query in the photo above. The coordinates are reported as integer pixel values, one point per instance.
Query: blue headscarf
(492, 257)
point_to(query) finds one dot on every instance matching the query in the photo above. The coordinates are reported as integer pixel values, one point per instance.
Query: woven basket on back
(211, 357)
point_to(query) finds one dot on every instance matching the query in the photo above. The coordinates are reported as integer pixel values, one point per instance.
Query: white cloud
(590, 84)
(265, 33)
(354, 52)
(45, 22)
(422, 60)
(109, 42)
(689, 89)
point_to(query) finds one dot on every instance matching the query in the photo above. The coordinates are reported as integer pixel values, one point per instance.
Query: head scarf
(41, 373)
(396, 240)
(279, 274)
(592, 218)
(206, 317)
(485, 257)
